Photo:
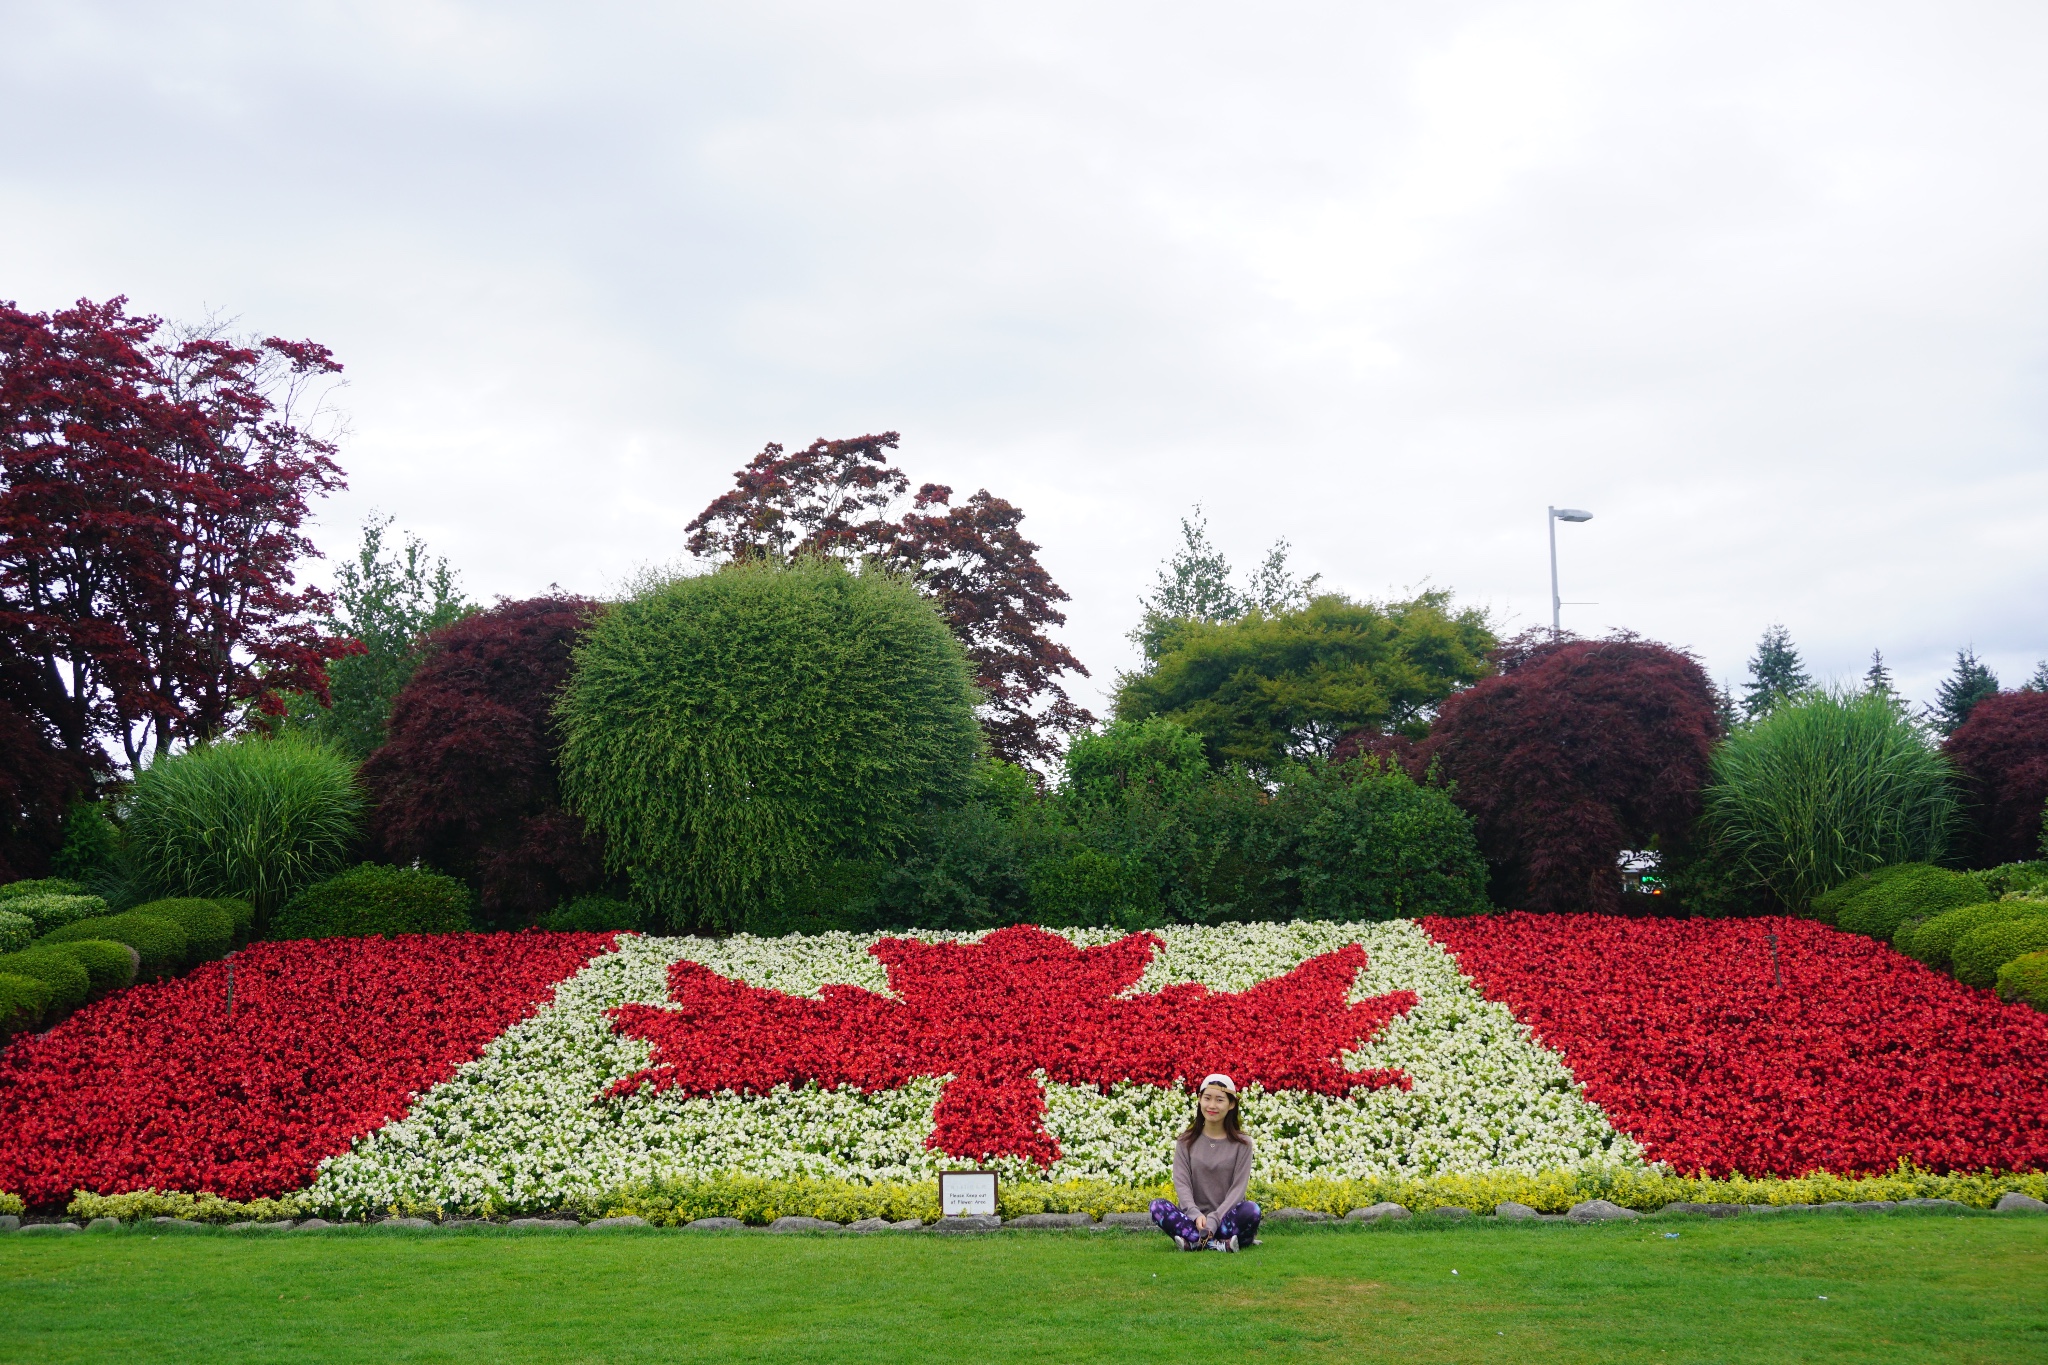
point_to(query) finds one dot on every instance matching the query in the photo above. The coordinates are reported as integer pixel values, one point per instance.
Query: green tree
(2039, 682)
(1960, 692)
(388, 599)
(731, 734)
(1271, 686)
(1193, 585)
(1877, 678)
(1775, 674)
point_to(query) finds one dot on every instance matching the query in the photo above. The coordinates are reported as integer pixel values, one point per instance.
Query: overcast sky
(1764, 286)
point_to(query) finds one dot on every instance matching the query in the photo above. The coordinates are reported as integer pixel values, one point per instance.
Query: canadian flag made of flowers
(490, 1069)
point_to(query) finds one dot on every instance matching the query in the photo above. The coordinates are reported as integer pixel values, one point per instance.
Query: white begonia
(523, 1124)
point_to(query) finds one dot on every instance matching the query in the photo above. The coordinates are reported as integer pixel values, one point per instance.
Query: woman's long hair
(1194, 1129)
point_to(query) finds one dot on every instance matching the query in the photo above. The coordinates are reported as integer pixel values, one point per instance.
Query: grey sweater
(1211, 1175)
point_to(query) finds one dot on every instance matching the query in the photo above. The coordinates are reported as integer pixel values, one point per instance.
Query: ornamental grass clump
(1827, 787)
(731, 733)
(255, 818)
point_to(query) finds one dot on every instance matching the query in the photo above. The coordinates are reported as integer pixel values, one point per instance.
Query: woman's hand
(1201, 1222)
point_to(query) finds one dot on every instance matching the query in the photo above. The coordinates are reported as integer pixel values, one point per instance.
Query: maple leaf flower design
(992, 1015)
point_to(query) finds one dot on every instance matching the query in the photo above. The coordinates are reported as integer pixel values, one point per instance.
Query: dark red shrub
(36, 783)
(2002, 754)
(1574, 751)
(466, 781)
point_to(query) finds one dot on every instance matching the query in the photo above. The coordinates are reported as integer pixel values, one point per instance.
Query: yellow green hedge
(12, 1203)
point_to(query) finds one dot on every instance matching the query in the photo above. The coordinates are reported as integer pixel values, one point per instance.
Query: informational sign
(967, 1194)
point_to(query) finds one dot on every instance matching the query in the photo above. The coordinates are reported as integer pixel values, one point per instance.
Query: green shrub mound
(161, 943)
(55, 911)
(1876, 903)
(15, 931)
(22, 1002)
(591, 915)
(1373, 844)
(91, 853)
(257, 819)
(1980, 953)
(40, 886)
(1091, 888)
(1932, 940)
(2009, 879)
(209, 929)
(729, 734)
(69, 982)
(372, 899)
(111, 966)
(2025, 979)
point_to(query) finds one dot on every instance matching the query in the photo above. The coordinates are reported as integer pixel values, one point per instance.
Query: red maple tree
(835, 497)
(2001, 752)
(992, 1015)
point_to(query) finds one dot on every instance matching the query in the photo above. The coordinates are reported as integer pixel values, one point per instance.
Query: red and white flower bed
(526, 1069)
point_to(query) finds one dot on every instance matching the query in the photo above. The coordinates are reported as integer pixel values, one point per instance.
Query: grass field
(1847, 1286)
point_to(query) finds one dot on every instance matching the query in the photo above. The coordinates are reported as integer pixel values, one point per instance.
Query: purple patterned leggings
(1241, 1222)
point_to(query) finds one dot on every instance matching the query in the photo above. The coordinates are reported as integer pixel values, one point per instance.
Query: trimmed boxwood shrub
(242, 915)
(40, 886)
(69, 982)
(22, 1002)
(1932, 940)
(2025, 979)
(376, 900)
(1980, 953)
(1877, 902)
(55, 911)
(161, 943)
(209, 930)
(110, 965)
(15, 931)
(592, 915)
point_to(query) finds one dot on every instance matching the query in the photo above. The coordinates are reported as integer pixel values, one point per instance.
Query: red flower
(161, 1086)
(1852, 1057)
(992, 1014)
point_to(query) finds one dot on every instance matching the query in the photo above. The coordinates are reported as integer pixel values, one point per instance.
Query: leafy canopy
(1270, 686)
(1194, 585)
(730, 733)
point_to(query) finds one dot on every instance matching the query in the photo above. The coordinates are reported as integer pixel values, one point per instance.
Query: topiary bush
(1371, 843)
(160, 943)
(209, 929)
(1979, 953)
(376, 900)
(1931, 940)
(2001, 752)
(241, 914)
(1826, 787)
(41, 886)
(731, 733)
(592, 915)
(2025, 979)
(1877, 902)
(255, 818)
(22, 1002)
(54, 912)
(111, 966)
(69, 982)
(15, 931)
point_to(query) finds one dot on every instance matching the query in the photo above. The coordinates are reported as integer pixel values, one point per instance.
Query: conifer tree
(2039, 682)
(1971, 683)
(1878, 678)
(1775, 673)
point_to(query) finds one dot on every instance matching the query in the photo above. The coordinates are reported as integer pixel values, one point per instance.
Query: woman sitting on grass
(1212, 1168)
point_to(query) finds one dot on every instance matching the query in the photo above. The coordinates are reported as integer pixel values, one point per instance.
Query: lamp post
(1558, 514)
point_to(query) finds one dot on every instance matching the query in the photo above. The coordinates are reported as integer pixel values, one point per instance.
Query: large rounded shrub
(110, 966)
(2001, 752)
(376, 900)
(728, 734)
(209, 927)
(1980, 953)
(1371, 843)
(2025, 979)
(15, 931)
(22, 1002)
(1932, 940)
(467, 780)
(69, 982)
(1879, 901)
(1574, 751)
(1824, 788)
(159, 943)
(254, 818)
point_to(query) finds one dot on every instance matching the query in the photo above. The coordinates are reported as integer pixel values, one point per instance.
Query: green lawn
(1898, 1286)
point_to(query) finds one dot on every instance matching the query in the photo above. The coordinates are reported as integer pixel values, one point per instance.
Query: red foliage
(161, 1087)
(37, 782)
(2002, 753)
(1574, 751)
(154, 488)
(833, 497)
(467, 780)
(992, 1013)
(1860, 1057)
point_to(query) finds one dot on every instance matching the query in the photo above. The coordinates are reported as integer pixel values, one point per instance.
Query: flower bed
(1845, 1056)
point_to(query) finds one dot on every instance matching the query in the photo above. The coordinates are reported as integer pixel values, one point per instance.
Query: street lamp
(1558, 514)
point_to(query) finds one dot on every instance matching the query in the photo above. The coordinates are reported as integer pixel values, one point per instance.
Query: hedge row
(671, 1203)
(1989, 929)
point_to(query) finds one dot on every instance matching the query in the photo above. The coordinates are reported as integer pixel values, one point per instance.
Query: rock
(868, 1225)
(957, 1224)
(1932, 1204)
(314, 1225)
(1052, 1220)
(1761, 1208)
(1300, 1216)
(1127, 1220)
(1710, 1210)
(1834, 1204)
(2013, 1200)
(48, 1229)
(796, 1223)
(1508, 1208)
(405, 1223)
(1598, 1211)
(556, 1224)
(9, 1222)
(905, 1224)
(624, 1220)
(1372, 1213)
(706, 1224)
(1450, 1212)
(103, 1225)
(164, 1221)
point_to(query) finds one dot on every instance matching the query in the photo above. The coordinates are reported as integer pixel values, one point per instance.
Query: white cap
(1217, 1078)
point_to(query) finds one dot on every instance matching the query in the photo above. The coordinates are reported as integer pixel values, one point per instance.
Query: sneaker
(1182, 1245)
(1231, 1245)
(1218, 1246)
